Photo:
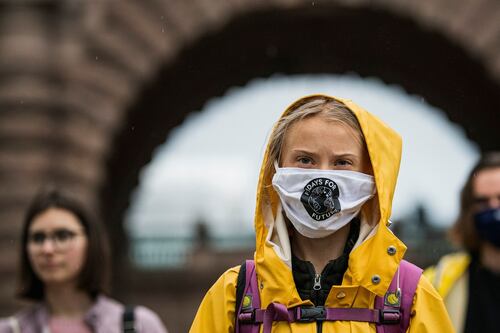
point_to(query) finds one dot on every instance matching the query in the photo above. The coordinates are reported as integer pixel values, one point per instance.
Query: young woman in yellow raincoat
(322, 239)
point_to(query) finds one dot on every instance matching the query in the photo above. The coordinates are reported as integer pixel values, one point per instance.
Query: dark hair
(463, 231)
(94, 276)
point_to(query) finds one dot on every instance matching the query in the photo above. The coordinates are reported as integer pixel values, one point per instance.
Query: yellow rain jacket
(451, 279)
(368, 258)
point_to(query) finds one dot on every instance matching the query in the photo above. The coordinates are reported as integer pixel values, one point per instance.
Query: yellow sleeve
(216, 311)
(430, 274)
(429, 314)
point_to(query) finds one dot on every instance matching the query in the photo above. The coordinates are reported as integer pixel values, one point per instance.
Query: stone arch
(396, 49)
(83, 82)
(333, 39)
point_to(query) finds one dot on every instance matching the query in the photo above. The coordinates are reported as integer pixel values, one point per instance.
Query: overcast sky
(208, 168)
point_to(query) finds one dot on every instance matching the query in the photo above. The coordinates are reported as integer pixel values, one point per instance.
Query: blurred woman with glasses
(64, 269)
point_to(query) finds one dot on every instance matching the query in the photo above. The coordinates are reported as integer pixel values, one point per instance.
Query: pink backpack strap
(408, 276)
(249, 303)
(391, 314)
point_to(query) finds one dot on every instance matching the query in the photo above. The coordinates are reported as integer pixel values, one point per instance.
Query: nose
(494, 202)
(324, 165)
(48, 246)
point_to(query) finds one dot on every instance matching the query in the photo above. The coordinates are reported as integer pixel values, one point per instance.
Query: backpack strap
(391, 313)
(247, 299)
(128, 318)
(399, 297)
(240, 285)
(306, 314)
(14, 325)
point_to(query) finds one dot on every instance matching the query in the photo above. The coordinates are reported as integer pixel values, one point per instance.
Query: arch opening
(300, 41)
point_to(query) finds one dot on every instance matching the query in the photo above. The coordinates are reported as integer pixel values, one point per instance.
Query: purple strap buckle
(389, 316)
(247, 317)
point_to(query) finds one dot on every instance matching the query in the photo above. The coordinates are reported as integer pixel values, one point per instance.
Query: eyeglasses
(62, 239)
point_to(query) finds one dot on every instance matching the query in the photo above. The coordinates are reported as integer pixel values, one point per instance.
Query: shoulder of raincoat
(105, 316)
(450, 277)
(368, 258)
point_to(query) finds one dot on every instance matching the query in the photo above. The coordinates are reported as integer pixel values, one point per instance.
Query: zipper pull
(317, 282)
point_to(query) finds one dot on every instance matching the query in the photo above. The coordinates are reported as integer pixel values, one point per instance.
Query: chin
(55, 278)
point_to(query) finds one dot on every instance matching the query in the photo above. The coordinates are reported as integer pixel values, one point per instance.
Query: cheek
(366, 163)
(77, 257)
(285, 155)
(33, 259)
(284, 158)
(367, 168)
(286, 163)
(289, 159)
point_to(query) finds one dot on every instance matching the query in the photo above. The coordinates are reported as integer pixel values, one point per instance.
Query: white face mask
(320, 202)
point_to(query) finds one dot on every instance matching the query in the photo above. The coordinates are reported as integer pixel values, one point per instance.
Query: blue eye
(304, 160)
(343, 163)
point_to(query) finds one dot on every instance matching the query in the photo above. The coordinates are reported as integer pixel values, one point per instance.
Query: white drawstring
(398, 290)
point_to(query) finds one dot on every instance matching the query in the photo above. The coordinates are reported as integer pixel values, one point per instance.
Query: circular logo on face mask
(321, 198)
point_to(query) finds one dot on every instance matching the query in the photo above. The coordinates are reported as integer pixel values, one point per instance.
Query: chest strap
(391, 313)
(279, 312)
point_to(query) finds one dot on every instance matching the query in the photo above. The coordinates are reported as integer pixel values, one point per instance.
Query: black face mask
(487, 224)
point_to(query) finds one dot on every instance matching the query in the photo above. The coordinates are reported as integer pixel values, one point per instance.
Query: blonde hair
(329, 108)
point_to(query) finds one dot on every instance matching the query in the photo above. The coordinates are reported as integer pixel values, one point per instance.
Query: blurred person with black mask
(469, 281)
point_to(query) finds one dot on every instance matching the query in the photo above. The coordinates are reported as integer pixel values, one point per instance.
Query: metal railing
(173, 252)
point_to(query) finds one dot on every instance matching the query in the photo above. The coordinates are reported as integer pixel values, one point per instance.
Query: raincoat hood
(370, 257)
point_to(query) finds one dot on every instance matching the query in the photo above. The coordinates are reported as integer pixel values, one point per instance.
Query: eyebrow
(303, 151)
(52, 230)
(344, 155)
